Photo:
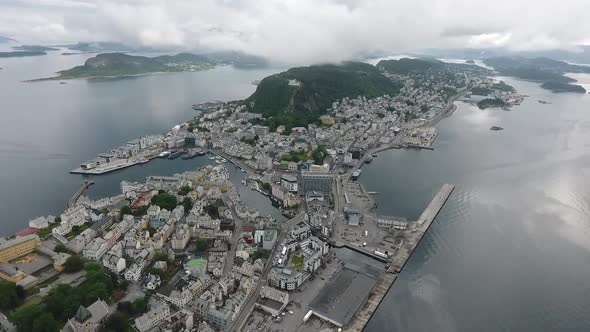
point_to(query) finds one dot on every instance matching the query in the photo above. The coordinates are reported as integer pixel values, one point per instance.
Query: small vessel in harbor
(496, 128)
(543, 101)
(356, 174)
(164, 154)
(192, 153)
(143, 161)
(175, 154)
(369, 160)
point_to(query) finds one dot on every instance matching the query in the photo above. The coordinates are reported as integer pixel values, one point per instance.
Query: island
(20, 54)
(558, 87)
(34, 48)
(121, 64)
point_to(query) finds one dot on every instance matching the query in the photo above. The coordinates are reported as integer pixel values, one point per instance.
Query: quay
(104, 170)
(399, 260)
(74, 199)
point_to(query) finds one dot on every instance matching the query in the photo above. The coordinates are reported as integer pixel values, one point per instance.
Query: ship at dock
(369, 159)
(193, 153)
(175, 154)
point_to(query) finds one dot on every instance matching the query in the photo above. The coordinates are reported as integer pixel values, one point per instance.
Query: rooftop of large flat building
(343, 296)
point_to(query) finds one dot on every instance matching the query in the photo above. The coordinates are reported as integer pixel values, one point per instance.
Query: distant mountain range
(120, 64)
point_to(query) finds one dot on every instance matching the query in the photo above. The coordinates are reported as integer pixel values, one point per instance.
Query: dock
(399, 260)
(105, 170)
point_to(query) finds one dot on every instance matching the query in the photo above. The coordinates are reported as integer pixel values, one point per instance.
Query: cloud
(301, 31)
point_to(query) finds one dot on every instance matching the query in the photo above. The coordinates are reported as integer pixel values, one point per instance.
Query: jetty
(399, 260)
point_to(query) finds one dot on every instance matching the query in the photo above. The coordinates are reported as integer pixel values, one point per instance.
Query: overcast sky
(302, 31)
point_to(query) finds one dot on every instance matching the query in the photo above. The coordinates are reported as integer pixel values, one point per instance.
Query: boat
(244, 182)
(369, 160)
(256, 82)
(374, 155)
(175, 154)
(192, 153)
(164, 154)
(496, 128)
(543, 102)
(356, 174)
(213, 158)
(143, 161)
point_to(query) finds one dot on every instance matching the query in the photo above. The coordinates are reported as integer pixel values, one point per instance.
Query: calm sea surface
(510, 251)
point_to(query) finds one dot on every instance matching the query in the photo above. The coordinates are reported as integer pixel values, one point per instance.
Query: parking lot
(299, 301)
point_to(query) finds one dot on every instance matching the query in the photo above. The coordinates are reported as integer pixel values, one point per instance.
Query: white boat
(164, 154)
(213, 158)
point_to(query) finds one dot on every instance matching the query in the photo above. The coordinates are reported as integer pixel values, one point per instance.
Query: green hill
(298, 96)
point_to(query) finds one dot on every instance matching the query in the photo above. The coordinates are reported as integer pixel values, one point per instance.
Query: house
(88, 319)
(152, 281)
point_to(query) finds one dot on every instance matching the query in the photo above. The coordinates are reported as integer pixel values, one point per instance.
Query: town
(185, 253)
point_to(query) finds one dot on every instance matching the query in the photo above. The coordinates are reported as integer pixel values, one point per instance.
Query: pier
(74, 199)
(399, 259)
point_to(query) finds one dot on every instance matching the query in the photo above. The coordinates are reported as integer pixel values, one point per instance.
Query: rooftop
(343, 296)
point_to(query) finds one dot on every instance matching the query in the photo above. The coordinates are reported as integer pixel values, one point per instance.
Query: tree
(60, 248)
(73, 264)
(24, 317)
(117, 322)
(187, 203)
(9, 299)
(184, 190)
(202, 244)
(165, 201)
(45, 323)
(266, 186)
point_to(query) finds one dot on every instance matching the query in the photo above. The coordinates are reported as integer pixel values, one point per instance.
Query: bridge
(72, 202)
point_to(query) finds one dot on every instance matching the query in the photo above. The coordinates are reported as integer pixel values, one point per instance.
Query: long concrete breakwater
(399, 260)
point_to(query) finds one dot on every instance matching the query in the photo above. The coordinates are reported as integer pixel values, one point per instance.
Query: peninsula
(549, 72)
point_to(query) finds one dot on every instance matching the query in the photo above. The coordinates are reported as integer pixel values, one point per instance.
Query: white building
(152, 318)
